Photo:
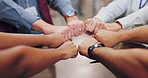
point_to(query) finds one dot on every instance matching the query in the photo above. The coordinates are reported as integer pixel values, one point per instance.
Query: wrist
(40, 25)
(123, 36)
(118, 25)
(70, 16)
(91, 50)
(45, 40)
(97, 19)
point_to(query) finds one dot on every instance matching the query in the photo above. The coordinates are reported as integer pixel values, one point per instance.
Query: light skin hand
(109, 38)
(76, 26)
(54, 40)
(42, 26)
(63, 30)
(113, 26)
(68, 50)
(93, 25)
(83, 47)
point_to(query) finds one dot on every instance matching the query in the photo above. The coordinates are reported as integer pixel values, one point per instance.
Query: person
(111, 38)
(124, 63)
(126, 13)
(24, 61)
(27, 16)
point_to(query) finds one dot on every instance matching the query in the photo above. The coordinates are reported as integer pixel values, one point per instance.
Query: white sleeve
(137, 18)
(113, 10)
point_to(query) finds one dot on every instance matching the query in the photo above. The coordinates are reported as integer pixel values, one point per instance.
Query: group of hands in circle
(100, 33)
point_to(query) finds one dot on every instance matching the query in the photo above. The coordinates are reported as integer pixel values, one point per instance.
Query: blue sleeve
(14, 14)
(63, 6)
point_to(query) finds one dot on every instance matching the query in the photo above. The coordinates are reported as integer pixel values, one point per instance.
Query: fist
(109, 38)
(68, 50)
(54, 40)
(83, 47)
(76, 27)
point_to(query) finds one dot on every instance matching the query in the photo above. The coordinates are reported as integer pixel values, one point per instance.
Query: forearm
(41, 26)
(138, 34)
(16, 15)
(25, 61)
(8, 40)
(135, 19)
(68, 19)
(113, 10)
(130, 63)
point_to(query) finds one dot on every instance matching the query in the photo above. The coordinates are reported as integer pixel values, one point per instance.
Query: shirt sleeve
(14, 14)
(135, 19)
(62, 6)
(115, 9)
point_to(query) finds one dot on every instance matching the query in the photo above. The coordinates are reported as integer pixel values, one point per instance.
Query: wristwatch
(90, 50)
(70, 13)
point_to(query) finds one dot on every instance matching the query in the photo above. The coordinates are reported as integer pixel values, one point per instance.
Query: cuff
(27, 19)
(124, 24)
(66, 9)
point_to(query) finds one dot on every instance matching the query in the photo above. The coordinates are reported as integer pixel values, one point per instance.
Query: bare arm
(8, 40)
(23, 61)
(110, 38)
(129, 63)
(139, 34)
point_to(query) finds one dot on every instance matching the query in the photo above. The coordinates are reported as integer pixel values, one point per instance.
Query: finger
(96, 30)
(71, 31)
(66, 34)
(101, 26)
(75, 55)
(83, 28)
(92, 26)
(77, 32)
(86, 24)
(69, 34)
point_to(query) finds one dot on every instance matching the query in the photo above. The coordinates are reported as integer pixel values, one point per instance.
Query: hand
(113, 26)
(42, 26)
(93, 25)
(83, 47)
(76, 27)
(54, 40)
(68, 49)
(109, 38)
(63, 30)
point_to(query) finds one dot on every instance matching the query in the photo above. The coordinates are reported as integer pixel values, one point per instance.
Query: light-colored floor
(80, 67)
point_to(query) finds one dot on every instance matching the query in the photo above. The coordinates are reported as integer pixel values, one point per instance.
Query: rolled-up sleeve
(63, 6)
(135, 19)
(14, 14)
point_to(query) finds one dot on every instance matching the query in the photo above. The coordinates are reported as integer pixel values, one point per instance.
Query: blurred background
(79, 67)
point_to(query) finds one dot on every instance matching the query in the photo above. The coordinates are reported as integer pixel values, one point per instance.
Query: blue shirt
(14, 12)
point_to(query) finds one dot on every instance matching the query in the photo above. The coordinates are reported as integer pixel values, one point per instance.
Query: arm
(9, 40)
(107, 14)
(113, 10)
(135, 19)
(110, 38)
(138, 34)
(23, 61)
(65, 6)
(128, 63)
(14, 14)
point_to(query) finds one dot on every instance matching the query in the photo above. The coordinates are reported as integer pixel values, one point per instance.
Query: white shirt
(133, 16)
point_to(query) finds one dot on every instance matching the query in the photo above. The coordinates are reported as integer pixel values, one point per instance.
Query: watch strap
(90, 51)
